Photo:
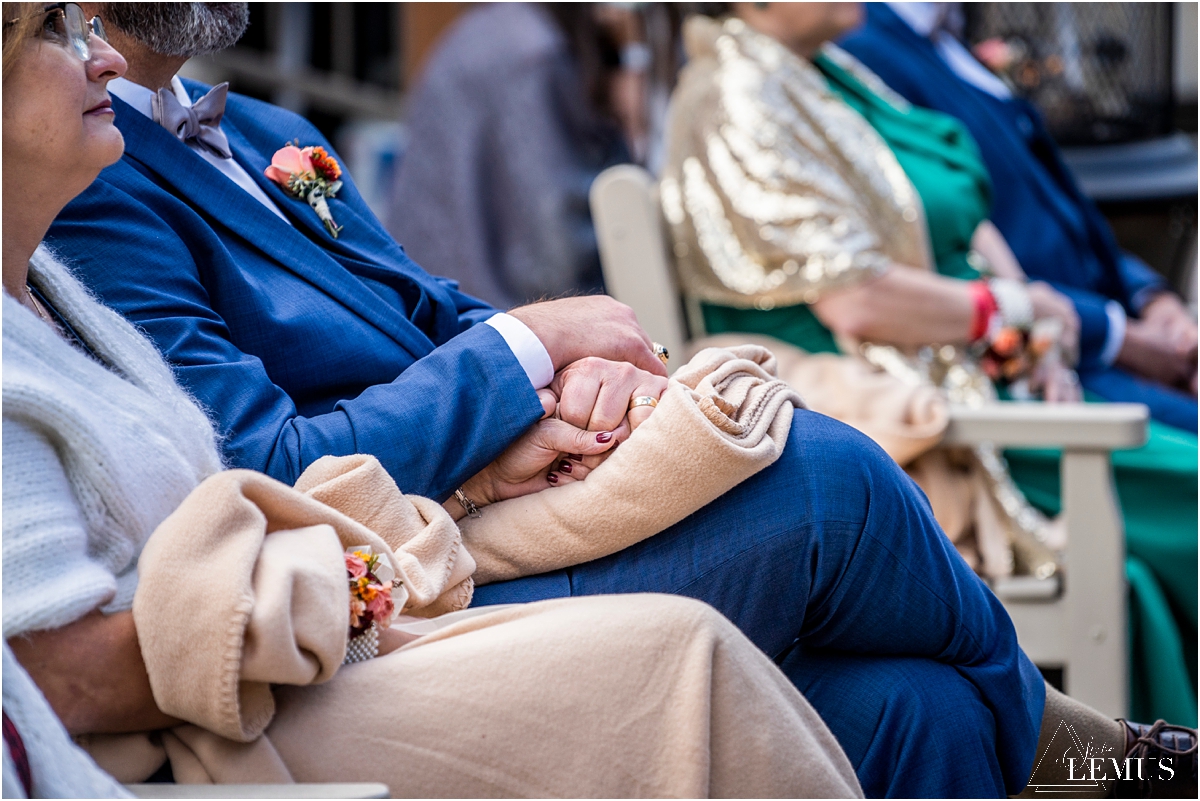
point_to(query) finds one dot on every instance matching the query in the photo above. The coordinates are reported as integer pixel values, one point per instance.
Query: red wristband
(985, 306)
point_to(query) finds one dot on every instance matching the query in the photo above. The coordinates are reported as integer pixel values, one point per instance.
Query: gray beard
(180, 29)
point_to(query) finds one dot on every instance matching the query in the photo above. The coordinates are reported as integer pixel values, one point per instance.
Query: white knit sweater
(94, 459)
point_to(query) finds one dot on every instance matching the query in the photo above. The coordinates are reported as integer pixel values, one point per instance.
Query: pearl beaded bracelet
(363, 647)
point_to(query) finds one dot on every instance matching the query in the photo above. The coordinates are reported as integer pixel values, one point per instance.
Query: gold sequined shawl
(775, 189)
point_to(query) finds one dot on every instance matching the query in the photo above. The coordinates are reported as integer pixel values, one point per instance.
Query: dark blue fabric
(1057, 234)
(302, 345)
(836, 547)
(1167, 405)
(887, 709)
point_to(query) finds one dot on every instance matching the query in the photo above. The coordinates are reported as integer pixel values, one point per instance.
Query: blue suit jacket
(300, 345)
(1057, 233)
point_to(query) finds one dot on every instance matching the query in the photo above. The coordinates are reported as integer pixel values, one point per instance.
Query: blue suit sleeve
(438, 423)
(1140, 280)
(1093, 323)
(470, 310)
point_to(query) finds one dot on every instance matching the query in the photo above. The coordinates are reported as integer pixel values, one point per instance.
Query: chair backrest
(634, 256)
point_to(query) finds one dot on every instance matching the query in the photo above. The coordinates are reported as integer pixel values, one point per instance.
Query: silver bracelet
(363, 647)
(1013, 301)
(467, 504)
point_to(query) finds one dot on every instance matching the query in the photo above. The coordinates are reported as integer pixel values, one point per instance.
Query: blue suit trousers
(831, 561)
(1167, 405)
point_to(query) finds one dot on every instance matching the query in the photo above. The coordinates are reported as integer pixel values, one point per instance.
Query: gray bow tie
(200, 124)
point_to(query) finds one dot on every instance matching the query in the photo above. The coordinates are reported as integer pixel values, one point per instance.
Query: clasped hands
(1161, 344)
(602, 360)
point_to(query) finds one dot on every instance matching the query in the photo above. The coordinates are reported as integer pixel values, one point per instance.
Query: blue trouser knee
(834, 546)
(910, 727)
(1167, 405)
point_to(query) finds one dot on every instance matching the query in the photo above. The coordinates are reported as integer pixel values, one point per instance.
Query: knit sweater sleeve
(50, 579)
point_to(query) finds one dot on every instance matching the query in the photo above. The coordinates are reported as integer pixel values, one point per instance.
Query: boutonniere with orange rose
(310, 174)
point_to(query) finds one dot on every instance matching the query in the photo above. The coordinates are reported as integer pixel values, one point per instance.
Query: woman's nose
(106, 63)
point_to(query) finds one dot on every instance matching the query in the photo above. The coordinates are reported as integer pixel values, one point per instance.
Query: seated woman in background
(811, 204)
(101, 446)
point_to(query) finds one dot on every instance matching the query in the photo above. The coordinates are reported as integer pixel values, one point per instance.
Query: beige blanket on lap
(908, 421)
(257, 567)
(243, 604)
(724, 416)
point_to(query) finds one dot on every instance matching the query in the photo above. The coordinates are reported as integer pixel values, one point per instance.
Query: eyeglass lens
(78, 30)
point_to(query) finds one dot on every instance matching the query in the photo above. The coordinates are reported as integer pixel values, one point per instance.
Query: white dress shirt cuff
(525, 345)
(1116, 333)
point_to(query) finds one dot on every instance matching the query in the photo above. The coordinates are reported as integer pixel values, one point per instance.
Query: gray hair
(180, 29)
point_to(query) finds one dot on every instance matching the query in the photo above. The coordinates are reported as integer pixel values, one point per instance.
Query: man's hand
(595, 394)
(1162, 344)
(1146, 352)
(1167, 316)
(575, 328)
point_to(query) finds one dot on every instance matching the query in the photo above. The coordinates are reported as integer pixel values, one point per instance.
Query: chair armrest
(343, 790)
(1088, 426)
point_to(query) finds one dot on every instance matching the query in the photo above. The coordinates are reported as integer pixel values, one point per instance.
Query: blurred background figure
(811, 203)
(520, 108)
(1139, 342)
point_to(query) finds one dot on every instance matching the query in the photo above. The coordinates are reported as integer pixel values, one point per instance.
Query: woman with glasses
(101, 445)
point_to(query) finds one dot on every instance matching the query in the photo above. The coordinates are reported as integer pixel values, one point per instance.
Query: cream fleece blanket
(274, 609)
(241, 613)
(724, 417)
(908, 421)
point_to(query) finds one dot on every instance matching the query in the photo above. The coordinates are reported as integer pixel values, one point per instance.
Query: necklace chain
(37, 307)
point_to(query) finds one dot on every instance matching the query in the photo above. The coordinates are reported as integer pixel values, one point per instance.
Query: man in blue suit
(1137, 340)
(302, 344)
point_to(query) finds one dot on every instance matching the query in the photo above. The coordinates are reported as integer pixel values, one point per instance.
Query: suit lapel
(298, 210)
(207, 189)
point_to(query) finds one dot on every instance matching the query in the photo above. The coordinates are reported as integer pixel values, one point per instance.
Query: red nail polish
(603, 437)
(577, 457)
(552, 478)
(564, 466)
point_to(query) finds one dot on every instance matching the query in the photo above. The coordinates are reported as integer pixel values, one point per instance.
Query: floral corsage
(310, 174)
(371, 607)
(1019, 360)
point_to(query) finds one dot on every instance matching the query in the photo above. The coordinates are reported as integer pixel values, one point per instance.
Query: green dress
(1156, 483)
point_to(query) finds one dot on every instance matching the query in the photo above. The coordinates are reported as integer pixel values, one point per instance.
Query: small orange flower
(1007, 341)
(324, 163)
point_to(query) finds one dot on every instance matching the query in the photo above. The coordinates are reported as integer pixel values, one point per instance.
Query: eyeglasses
(67, 23)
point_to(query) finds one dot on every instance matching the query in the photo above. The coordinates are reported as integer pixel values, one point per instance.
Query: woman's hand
(1048, 302)
(1059, 383)
(392, 638)
(535, 461)
(991, 244)
(91, 671)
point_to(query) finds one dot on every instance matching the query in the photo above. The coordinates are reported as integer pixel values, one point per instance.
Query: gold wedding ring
(643, 400)
(661, 353)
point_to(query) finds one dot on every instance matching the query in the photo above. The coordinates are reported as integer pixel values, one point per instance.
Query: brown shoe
(1160, 761)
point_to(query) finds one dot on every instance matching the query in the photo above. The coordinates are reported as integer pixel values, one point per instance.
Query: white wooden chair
(1077, 622)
